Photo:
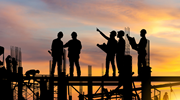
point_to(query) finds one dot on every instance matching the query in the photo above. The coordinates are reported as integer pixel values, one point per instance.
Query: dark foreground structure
(58, 87)
(14, 85)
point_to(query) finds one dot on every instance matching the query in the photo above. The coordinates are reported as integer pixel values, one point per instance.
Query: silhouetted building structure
(48, 84)
(74, 50)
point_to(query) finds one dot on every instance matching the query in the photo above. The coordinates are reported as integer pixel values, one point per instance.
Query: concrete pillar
(62, 87)
(51, 87)
(90, 90)
(146, 83)
(20, 81)
(126, 74)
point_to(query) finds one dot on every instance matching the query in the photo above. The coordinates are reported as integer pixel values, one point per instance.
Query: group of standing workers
(74, 49)
(114, 48)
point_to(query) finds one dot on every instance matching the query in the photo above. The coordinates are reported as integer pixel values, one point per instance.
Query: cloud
(119, 14)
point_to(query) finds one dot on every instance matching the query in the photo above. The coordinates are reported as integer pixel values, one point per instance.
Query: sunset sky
(33, 24)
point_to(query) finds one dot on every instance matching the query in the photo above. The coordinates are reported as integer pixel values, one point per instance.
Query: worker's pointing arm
(102, 34)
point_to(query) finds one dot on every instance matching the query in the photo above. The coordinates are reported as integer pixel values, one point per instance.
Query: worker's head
(60, 35)
(120, 33)
(37, 71)
(13, 59)
(8, 57)
(166, 93)
(112, 34)
(143, 32)
(74, 35)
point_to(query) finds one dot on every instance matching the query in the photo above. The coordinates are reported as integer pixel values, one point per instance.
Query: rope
(173, 92)
(175, 95)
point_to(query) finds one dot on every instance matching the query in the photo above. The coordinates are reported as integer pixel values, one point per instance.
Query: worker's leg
(107, 65)
(53, 66)
(71, 63)
(113, 65)
(118, 63)
(59, 65)
(139, 64)
(78, 67)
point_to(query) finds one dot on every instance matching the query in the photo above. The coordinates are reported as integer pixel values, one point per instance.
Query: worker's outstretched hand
(97, 30)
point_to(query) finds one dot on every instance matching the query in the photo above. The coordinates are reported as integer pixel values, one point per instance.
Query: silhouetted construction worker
(74, 49)
(111, 50)
(165, 97)
(9, 63)
(141, 49)
(57, 53)
(31, 72)
(120, 51)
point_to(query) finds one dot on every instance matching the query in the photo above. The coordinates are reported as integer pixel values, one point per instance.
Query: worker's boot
(106, 75)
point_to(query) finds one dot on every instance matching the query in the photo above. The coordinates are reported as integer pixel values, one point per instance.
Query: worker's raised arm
(102, 34)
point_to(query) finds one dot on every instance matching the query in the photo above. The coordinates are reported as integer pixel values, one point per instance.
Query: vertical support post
(81, 97)
(102, 69)
(70, 92)
(89, 70)
(102, 89)
(116, 96)
(51, 87)
(26, 92)
(102, 83)
(37, 96)
(146, 83)
(70, 97)
(33, 90)
(159, 95)
(90, 88)
(62, 88)
(50, 68)
(127, 87)
(127, 74)
(59, 86)
(51, 84)
(81, 88)
(154, 92)
(14, 94)
(148, 53)
(20, 81)
(9, 89)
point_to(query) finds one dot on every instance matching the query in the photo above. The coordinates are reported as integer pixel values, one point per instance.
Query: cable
(175, 95)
